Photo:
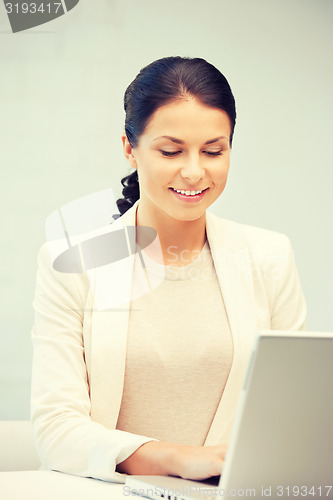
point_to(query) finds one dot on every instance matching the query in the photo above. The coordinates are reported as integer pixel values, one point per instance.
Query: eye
(169, 153)
(214, 153)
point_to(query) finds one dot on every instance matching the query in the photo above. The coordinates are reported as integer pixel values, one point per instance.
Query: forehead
(188, 120)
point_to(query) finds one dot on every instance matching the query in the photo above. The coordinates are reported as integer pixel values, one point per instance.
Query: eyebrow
(178, 141)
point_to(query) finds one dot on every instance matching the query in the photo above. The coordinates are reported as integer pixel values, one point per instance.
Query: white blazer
(80, 351)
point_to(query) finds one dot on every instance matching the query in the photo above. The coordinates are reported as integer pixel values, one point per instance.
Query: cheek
(151, 177)
(150, 166)
(221, 177)
(221, 172)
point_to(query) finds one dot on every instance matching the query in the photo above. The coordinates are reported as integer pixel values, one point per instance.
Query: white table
(49, 485)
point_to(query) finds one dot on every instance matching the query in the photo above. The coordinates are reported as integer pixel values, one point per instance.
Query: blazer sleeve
(67, 439)
(289, 306)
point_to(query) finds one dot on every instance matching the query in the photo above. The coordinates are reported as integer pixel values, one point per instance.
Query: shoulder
(50, 281)
(236, 235)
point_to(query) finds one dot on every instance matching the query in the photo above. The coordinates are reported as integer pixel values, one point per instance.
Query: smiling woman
(152, 387)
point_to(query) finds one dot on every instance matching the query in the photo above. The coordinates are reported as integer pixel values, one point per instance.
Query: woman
(151, 387)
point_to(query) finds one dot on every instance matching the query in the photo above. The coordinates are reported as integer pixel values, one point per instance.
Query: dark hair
(164, 81)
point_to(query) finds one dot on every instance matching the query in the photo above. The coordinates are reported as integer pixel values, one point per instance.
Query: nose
(192, 170)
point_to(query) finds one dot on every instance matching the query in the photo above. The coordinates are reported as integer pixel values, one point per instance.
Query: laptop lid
(282, 439)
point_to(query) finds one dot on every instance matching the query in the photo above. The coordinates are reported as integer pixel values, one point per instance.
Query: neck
(180, 241)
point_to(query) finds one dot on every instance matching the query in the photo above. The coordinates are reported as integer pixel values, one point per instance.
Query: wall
(61, 116)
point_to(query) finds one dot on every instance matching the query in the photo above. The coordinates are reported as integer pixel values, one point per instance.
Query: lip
(189, 189)
(190, 199)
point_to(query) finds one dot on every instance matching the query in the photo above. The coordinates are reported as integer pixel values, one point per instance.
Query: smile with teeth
(187, 193)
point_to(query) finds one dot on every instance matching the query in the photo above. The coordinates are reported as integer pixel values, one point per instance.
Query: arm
(289, 307)
(66, 437)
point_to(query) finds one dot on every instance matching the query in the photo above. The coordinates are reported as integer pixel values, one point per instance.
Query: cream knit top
(179, 354)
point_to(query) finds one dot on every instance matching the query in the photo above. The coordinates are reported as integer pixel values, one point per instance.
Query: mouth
(188, 196)
(187, 192)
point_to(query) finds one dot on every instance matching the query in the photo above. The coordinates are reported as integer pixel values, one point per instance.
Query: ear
(128, 151)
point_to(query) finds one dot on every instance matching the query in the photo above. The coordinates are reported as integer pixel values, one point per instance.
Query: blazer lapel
(232, 264)
(111, 286)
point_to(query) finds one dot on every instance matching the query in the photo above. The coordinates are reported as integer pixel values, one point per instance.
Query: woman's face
(185, 147)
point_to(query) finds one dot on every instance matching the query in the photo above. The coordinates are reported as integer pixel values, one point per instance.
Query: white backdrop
(61, 116)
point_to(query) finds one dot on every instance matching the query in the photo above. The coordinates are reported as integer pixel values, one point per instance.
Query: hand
(198, 462)
(188, 462)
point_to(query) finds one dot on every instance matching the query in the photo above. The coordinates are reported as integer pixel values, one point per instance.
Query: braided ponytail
(131, 192)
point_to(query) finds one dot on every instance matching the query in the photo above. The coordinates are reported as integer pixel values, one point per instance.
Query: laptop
(281, 444)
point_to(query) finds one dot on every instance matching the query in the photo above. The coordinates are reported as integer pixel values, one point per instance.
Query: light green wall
(61, 88)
